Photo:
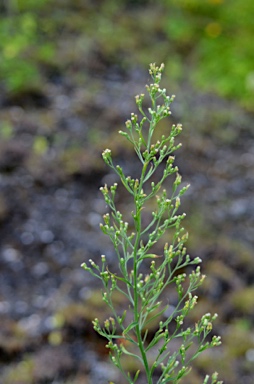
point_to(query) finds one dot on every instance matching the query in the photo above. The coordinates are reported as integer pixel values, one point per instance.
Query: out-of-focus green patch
(223, 272)
(199, 229)
(6, 130)
(215, 41)
(12, 337)
(220, 360)
(20, 41)
(55, 337)
(87, 310)
(204, 41)
(241, 254)
(243, 300)
(76, 160)
(40, 145)
(21, 373)
(23, 5)
(237, 341)
(243, 324)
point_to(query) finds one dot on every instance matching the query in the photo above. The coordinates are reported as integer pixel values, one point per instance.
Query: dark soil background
(53, 130)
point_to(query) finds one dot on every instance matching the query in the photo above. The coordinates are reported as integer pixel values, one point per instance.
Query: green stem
(138, 209)
(136, 297)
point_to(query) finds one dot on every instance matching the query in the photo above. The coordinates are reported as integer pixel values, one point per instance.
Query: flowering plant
(128, 332)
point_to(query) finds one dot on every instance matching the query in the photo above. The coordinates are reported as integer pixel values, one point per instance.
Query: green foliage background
(208, 41)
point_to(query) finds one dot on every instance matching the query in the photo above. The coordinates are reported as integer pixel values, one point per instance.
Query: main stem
(136, 297)
(138, 209)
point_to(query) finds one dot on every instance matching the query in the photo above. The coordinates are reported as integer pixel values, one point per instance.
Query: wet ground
(50, 210)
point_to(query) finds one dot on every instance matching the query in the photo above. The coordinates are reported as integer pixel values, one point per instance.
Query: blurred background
(69, 71)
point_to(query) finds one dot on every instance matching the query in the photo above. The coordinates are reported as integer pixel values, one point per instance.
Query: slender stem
(136, 296)
(138, 209)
